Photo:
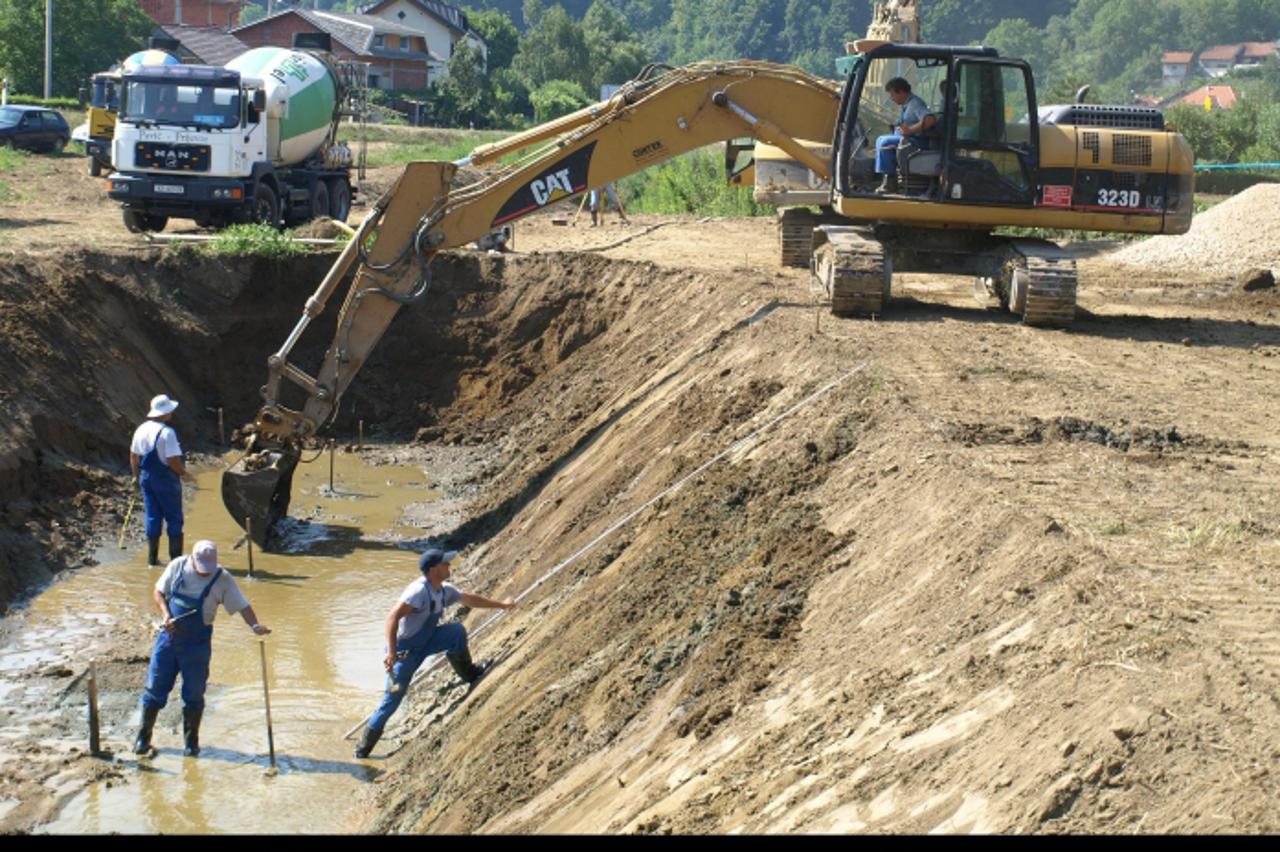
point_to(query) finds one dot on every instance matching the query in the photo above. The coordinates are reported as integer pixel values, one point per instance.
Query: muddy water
(324, 598)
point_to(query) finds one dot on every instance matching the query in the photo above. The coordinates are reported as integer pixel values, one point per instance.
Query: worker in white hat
(155, 457)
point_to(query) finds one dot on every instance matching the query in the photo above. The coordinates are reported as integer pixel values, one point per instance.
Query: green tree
(501, 38)
(554, 48)
(616, 54)
(556, 98)
(88, 36)
(465, 97)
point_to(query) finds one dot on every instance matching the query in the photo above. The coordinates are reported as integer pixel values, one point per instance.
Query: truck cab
(250, 142)
(189, 142)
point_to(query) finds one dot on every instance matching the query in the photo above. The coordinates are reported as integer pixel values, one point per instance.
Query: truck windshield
(168, 103)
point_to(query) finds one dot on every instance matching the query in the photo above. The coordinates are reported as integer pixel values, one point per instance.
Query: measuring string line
(627, 518)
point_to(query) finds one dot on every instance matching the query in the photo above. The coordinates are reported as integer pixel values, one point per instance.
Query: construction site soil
(945, 573)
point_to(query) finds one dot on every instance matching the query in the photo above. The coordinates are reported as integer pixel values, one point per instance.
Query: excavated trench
(86, 339)
(531, 360)
(983, 584)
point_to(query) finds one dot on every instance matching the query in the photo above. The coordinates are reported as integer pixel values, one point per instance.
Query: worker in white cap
(188, 594)
(155, 457)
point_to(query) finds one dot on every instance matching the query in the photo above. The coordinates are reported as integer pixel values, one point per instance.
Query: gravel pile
(1240, 234)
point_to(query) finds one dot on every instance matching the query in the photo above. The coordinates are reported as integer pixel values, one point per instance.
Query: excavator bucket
(256, 491)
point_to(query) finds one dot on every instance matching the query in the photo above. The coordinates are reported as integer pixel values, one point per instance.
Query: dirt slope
(1002, 580)
(999, 579)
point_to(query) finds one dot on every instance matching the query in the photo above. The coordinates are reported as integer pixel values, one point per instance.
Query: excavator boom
(648, 121)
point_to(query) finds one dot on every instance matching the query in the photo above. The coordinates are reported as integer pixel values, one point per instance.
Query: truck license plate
(171, 189)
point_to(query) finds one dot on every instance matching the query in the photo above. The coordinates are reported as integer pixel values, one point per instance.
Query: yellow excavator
(999, 160)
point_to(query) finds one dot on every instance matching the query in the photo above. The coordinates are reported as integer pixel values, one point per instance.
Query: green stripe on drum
(309, 110)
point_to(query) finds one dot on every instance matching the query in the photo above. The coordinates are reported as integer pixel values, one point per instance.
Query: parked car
(34, 128)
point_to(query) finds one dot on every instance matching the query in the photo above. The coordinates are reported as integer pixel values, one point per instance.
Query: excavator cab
(981, 145)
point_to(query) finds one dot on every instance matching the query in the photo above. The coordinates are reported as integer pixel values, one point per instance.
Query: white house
(1175, 67)
(442, 25)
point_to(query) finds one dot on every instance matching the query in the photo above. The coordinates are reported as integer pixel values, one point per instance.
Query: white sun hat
(162, 405)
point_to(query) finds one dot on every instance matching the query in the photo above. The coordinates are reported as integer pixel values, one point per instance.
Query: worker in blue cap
(413, 633)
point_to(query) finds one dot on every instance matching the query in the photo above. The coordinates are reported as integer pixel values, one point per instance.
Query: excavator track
(854, 271)
(795, 236)
(1043, 287)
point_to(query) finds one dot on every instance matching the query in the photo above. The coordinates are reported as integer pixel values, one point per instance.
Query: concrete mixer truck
(254, 141)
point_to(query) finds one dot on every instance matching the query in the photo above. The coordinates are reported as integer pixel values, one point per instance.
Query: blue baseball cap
(433, 556)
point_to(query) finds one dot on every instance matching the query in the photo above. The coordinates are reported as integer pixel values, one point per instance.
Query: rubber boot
(888, 186)
(191, 730)
(175, 547)
(153, 552)
(465, 669)
(367, 742)
(142, 744)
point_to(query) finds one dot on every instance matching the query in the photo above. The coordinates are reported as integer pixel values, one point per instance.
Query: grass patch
(392, 145)
(1113, 527)
(256, 239)
(1207, 535)
(11, 160)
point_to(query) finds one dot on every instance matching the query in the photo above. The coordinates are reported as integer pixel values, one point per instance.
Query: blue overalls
(887, 145)
(413, 651)
(161, 492)
(187, 649)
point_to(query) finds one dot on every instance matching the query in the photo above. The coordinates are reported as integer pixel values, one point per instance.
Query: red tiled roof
(1177, 58)
(1259, 48)
(1223, 97)
(1221, 52)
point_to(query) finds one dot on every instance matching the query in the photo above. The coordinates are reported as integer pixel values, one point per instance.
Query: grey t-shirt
(225, 591)
(424, 601)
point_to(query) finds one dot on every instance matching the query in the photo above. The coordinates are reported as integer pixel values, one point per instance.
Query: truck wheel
(141, 223)
(339, 199)
(266, 209)
(320, 200)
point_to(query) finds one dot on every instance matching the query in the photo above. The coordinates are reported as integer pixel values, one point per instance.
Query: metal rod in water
(248, 534)
(94, 743)
(266, 696)
(332, 444)
(222, 435)
(361, 444)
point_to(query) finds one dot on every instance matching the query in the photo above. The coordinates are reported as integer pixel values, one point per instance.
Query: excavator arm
(648, 121)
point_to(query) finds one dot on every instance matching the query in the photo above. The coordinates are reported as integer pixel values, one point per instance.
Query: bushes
(257, 239)
(692, 183)
(52, 103)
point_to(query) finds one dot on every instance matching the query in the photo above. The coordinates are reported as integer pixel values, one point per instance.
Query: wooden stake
(248, 532)
(332, 444)
(266, 696)
(94, 744)
(222, 435)
(361, 444)
(127, 515)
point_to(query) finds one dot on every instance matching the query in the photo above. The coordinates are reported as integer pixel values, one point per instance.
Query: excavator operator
(893, 149)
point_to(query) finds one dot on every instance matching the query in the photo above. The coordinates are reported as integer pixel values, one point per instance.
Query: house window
(378, 40)
(404, 42)
(375, 81)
